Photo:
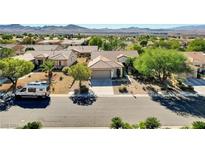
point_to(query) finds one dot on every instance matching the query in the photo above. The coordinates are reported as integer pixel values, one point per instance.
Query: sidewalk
(136, 95)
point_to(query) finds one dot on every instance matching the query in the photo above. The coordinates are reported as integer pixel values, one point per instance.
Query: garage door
(101, 74)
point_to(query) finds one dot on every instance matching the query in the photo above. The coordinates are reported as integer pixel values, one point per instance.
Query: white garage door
(97, 74)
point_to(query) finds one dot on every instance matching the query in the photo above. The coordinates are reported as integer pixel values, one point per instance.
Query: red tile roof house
(83, 51)
(109, 64)
(61, 58)
(197, 61)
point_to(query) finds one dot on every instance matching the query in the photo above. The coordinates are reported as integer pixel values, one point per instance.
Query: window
(40, 89)
(23, 90)
(32, 90)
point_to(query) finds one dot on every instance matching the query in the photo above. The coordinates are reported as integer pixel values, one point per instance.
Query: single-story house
(61, 58)
(197, 61)
(26, 57)
(73, 42)
(83, 51)
(49, 42)
(109, 64)
(21, 49)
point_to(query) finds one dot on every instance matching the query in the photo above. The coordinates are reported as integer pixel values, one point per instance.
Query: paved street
(62, 112)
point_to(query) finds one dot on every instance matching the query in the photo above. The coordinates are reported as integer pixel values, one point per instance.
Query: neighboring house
(21, 49)
(83, 51)
(109, 64)
(49, 42)
(197, 61)
(42, 47)
(27, 57)
(61, 58)
(73, 42)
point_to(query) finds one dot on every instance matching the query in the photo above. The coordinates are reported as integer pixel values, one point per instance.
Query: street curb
(68, 95)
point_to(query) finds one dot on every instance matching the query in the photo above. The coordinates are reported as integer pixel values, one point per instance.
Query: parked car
(38, 89)
(84, 98)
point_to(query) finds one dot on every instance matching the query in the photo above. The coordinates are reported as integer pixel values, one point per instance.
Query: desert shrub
(84, 89)
(198, 125)
(123, 89)
(117, 123)
(76, 91)
(65, 70)
(142, 125)
(126, 126)
(29, 49)
(185, 127)
(152, 123)
(33, 125)
(61, 78)
(135, 126)
(185, 87)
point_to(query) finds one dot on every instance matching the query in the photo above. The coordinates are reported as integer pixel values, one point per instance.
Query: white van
(34, 90)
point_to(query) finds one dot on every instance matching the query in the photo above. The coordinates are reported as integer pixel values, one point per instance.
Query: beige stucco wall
(72, 59)
(114, 73)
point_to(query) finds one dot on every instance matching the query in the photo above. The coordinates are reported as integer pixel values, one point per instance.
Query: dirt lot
(134, 87)
(61, 84)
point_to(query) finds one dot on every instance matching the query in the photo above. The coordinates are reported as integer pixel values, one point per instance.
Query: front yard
(133, 87)
(61, 83)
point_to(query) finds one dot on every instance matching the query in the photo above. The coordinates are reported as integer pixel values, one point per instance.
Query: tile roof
(103, 63)
(196, 57)
(113, 55)
(55, 55)
(83, 49)
(27, 57)
(73, 41)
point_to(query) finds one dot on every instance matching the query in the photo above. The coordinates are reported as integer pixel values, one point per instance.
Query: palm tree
(48, 67)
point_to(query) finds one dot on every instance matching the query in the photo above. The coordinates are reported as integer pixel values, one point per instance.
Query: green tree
(143, 43)
(95, 40)
(198, 125)
(13, 69)
(174, 44)
(106, 45)
(80, 72)
(6, 53)
(7, 37)
(152, 123)
(117, 123)
(161, 63)
(28, 40)
(136, 47)
(196, 45)
(48, 67)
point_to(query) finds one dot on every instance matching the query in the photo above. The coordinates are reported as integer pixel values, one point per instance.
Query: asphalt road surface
(62, 112)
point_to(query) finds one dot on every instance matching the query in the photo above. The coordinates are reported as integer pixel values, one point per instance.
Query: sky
(116, 26)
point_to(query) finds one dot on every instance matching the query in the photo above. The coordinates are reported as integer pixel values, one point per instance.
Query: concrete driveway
(198, 84)
(102, 87)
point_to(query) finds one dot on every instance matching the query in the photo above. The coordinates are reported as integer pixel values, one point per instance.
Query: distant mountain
(71, 26)
(75, 29)
(192, 27)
